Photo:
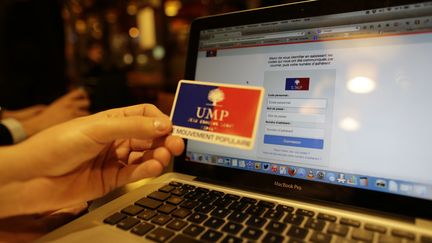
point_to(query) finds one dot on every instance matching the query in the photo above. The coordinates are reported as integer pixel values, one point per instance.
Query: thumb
(111, 128)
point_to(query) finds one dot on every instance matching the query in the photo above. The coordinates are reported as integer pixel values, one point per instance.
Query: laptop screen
(347, 97)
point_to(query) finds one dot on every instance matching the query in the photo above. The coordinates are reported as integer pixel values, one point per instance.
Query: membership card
(217, 113)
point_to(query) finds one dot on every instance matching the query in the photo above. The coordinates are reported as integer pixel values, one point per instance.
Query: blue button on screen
(294, 141)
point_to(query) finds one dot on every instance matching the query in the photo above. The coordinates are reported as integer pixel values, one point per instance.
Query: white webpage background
(393, 138)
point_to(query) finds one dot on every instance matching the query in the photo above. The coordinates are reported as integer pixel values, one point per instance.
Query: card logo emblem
(217, 113)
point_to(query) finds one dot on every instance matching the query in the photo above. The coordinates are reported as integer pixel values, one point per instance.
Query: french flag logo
(297, 84)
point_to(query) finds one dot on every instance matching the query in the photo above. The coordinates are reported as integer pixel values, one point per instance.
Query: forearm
(14, 164)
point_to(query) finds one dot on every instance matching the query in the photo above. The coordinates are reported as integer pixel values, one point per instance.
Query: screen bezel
(330, 193)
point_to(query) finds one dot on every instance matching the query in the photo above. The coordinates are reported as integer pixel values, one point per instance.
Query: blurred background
(123, 51)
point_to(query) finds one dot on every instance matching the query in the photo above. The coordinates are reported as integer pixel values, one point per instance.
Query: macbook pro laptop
(343, 147)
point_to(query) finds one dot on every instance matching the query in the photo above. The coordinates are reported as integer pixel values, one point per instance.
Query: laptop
(342, 152)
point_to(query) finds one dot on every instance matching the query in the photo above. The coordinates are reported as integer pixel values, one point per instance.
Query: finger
(136, 157)
(175, 145)
(111, 128)
(75, 94)
(135, 172)
(136, 110)
(37, 108)
(81, 103)
(79, 113)
(141, 144)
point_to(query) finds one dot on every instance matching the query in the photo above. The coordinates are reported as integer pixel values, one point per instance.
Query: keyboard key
(223, 202)
(251, 233)
(273, 214)
(188, 187)
(297, 232)
(337, 229)
(256, 222)
(202, 189)
(166, 208)
(320, 237)
(305, 212)
(388, 239)
(376, 228)
(161, 196)
(363, 235)
(142, 229)
(221, 212)
(266, 204)
(204, 208)
(217, 193)
(350, 222)
(179, 192)
(160, 235)
(256, 210)
(193, 230)
(276, 227)
(316, 224)
(189, 204)
(208, 199)
(161, 219)
(194, 195)
(175, 183)
(148, 203)
(211, 235)
(238, 217)
(248, 200)
(180, 238)
(327, 217)
(181, 213)
(273, 238)
(214, 222)
(115, 218)
(284, 208)
(294, 219)
(238, 206)
(403, 234)
(167, 188)
(197, 218)
(175, 200)
(232, 228)
(147, 214)
(426, 239)
(177, 224)
(231, 239)
(128, 223)
(231, 197)
(132, 210)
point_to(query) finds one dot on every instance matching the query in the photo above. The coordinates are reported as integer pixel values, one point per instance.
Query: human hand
(25, 113)
(71, 105)
(86, 158)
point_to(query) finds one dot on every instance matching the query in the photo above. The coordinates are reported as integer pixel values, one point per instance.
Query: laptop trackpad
(101, 233)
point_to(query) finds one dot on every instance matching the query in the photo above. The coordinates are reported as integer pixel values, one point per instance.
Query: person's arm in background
(15, 126)
(85, 158)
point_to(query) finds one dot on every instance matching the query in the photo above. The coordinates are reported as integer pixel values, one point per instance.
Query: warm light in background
(142, 59)
(134, 32)
(361, 85)
(172, 8)
(132, 9)
(146, 25)
(128, 58)
(80, 26)
(158, 52)
(349, 124)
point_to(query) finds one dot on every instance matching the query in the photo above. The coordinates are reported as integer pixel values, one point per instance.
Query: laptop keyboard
(185, 213)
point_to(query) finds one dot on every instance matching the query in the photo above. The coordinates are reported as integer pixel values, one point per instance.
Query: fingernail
(161, 124)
